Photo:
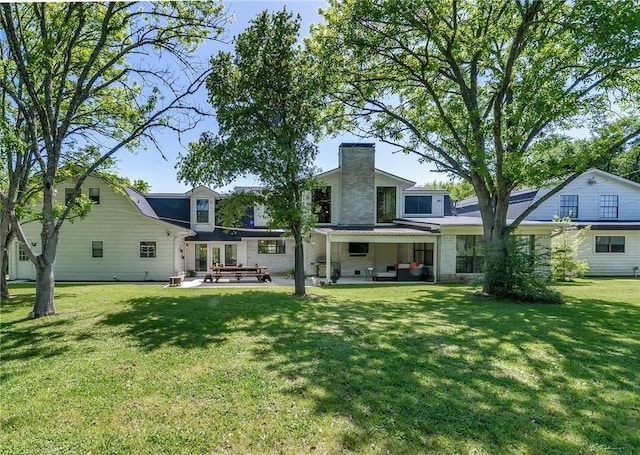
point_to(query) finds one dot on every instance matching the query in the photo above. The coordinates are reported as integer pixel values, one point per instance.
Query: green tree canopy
(86, 79)
(473, 86)
(267, 103)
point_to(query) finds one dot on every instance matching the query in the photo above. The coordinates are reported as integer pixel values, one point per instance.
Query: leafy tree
(267, 103)
(613, 147)
(79, 78)
(141, 186)
(564, 253)
(15, 189)
(457, 190)
(473, 86)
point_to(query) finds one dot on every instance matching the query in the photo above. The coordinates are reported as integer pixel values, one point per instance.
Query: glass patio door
(215, 256)
(201, 257)
(231, 254)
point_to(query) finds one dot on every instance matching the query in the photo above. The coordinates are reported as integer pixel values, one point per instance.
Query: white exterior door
(25, 270)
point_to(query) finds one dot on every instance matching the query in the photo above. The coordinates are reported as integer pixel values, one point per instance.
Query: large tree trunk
(45, 282)
(496, 263)
(5, 238)
(300, 290)
(4, 270)
(45, 262)
(493, 210)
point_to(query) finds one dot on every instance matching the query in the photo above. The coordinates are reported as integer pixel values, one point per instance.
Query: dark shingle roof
(173, 210)
(220, 235)
(518, 203)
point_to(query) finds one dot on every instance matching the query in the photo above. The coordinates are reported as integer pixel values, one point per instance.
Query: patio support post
(328, 257)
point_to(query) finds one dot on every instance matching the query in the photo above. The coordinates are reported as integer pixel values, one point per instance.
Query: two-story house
(122, 238)
(371, 223)
(611, 206)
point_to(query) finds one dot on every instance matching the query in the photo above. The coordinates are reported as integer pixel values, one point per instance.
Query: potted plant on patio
(335, 275)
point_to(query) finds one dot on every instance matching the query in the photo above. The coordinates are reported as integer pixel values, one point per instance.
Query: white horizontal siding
(121, 227)
(589, 198)
(611, 264)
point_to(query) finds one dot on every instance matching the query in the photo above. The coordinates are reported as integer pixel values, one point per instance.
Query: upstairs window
(608, 206)
(94, 195)
(68, 195)
(97, 249)
(322, 204)
(609, 244)
(147, 249)
(271, 246)
(202, 210)
(385, 204)
(418, 205)
(568, 206)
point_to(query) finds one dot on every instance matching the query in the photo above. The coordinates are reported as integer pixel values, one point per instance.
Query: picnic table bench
(238, 272)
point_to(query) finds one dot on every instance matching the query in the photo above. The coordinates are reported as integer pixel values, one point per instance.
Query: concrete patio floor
(281, 280)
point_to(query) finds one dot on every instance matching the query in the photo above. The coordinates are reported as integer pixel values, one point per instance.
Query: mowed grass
(352, 369)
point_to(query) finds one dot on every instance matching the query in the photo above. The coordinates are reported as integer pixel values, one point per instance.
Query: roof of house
(174, 210)
(222, 235)
(141, 203)
(410, 183)
(368, 230)
(519, 201)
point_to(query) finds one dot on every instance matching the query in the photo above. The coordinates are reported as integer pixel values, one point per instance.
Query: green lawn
(361, 369)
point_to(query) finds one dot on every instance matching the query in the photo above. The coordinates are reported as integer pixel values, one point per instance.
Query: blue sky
(148, 164)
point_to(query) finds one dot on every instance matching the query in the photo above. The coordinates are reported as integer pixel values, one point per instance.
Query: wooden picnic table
(261, 272)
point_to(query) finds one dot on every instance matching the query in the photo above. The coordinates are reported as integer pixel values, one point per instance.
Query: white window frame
(94, 249)
(280, 246)
(207, 211)
(624, 244)
(406, 212)
(569, 214)
(148, 249)
(94, 199)
(605, 198)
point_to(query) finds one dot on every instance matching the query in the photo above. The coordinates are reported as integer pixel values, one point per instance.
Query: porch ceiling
(391, 234)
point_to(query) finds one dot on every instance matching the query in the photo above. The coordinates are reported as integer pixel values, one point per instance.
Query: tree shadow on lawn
(197, 321)
(437, 371)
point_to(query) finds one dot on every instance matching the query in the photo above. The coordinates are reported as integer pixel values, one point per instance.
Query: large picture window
(610, 244)
(202, 210)
(417, 205)
(271, 246)
(568, 206)
(608, 206)
(322, 204)
(469, 254)
(385, 204)
(147, 249)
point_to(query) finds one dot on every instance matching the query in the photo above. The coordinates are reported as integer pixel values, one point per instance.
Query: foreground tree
(78, 77)
(267, 105)
(472, 86)
(613, 147)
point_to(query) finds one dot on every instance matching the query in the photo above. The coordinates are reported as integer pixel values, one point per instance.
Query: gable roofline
(376, 170)
(202, 187)
(610, 176)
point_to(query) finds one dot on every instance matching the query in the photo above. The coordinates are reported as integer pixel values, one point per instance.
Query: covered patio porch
(392, 253)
